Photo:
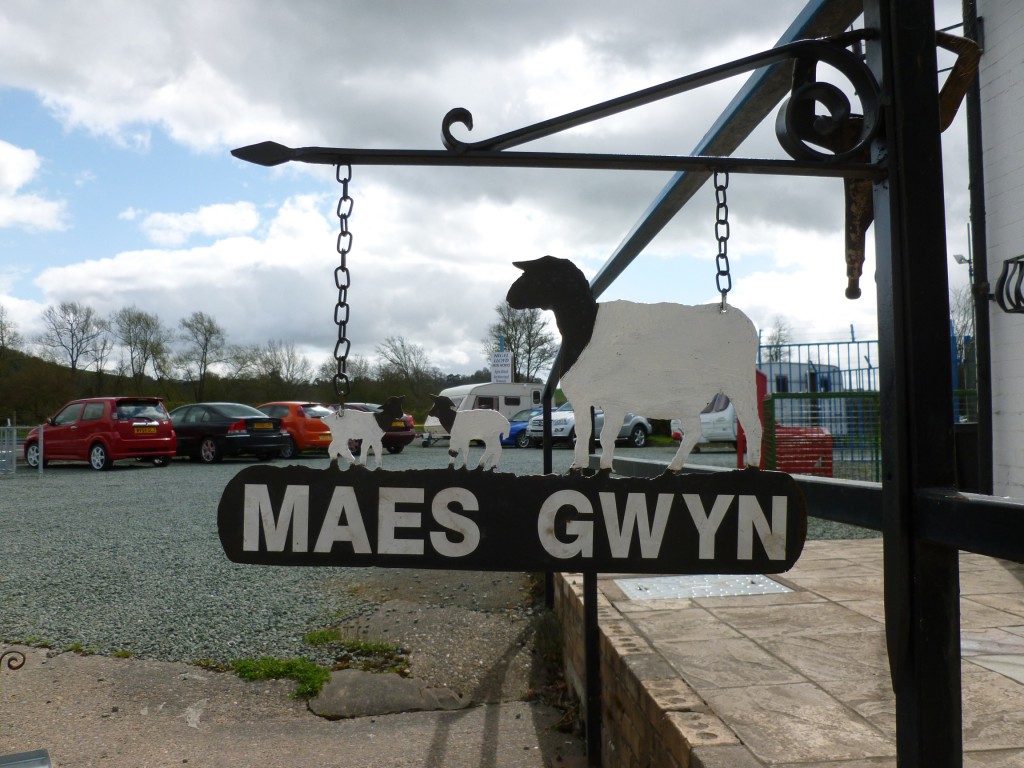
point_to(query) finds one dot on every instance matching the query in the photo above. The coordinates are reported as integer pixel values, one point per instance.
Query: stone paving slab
(801, 678)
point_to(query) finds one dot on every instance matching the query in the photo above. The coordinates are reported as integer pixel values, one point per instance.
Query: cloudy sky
(117, 186)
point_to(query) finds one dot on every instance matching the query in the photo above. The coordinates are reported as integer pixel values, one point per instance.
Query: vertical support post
(979, 260)
(592, 663)
(921, 579)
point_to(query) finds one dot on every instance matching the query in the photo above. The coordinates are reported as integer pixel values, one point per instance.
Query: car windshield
(141, 409)
(564, 407)
(523, 415)
(238, 411)
(718, 403)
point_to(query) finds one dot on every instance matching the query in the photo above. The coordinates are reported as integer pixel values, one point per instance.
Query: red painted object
(803, 451)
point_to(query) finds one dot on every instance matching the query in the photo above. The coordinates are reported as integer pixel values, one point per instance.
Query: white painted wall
(1002, 96)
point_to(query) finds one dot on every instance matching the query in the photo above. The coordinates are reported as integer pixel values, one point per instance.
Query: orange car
(302, 423)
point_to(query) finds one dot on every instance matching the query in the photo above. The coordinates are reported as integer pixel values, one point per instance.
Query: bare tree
(101, 350)
(405, 368)
(779, 336)
(961, 313)
(71, 332)
(526, 336)
(144, 339)
(9, 336)
(280, 361)
(205, 345)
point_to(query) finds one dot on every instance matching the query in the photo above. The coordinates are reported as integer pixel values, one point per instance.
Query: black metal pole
(979, 261)
(921, 578)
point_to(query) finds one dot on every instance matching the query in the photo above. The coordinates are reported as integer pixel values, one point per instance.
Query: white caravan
(507, 399)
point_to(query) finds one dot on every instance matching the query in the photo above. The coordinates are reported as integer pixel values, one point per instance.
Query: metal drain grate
(683, 587)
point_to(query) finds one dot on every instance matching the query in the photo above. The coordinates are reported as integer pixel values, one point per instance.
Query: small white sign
(501, 367)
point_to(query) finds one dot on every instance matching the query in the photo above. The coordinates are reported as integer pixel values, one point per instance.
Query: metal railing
(8, 449)
(835, 434)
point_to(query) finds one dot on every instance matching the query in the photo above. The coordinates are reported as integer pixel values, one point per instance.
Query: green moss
(309, 677)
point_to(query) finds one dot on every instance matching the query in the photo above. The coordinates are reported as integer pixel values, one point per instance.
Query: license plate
(144, 430)
(398, 424)
(262, 425)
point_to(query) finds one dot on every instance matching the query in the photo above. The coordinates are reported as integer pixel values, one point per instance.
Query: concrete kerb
(650, 715)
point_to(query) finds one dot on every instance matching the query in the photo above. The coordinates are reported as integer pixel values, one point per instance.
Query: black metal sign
(747, 521)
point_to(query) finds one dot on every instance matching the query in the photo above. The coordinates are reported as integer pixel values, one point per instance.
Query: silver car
(634, 431)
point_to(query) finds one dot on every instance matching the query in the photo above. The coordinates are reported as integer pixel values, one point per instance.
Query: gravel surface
(128, 561)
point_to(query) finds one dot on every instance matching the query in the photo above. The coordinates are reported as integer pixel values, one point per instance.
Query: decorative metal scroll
(1009, 292)
(800, 129)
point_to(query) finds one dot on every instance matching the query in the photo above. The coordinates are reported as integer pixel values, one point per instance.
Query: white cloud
(170, 229)
(432, 247)
(19, 167)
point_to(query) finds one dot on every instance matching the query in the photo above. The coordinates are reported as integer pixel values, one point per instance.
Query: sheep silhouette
(657, 359)
(346, 425)
(465, 426)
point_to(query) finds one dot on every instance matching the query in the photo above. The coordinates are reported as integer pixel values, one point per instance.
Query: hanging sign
(746, 521)
(501, 367)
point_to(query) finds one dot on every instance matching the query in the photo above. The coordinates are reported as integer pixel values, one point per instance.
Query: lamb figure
(465, 426)
(348, 425)
(657, 359)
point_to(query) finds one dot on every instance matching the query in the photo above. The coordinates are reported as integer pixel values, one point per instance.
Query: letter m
(259, 511)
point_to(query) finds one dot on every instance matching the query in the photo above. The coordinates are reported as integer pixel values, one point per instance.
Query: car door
(61, 433)
(91, 427)
(186, 427)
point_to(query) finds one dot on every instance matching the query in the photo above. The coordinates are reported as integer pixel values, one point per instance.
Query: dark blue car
(517, 428)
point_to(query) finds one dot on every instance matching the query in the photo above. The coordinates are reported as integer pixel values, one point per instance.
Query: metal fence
(8, 449)
(835, 434)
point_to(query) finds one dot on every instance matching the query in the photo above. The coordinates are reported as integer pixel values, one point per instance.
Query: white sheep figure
(660, 360)
(348, 425)
(466, 426)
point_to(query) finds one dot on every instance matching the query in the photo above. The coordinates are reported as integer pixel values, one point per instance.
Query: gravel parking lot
(128, 561)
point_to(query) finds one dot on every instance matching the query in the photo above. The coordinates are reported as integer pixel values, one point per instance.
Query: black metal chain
(342, 279)
(722, 235)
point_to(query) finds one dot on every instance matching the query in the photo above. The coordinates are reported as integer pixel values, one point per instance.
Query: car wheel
(638, 437)
(32, 455)
(162, 461)
(571, 440)
(355, 447)
(394, 448)
(99, 459)
(289, 449)
(209, 452)
(523, 440)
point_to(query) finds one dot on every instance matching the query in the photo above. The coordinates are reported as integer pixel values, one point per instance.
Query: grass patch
(359, 653)
(122, 654)
(309, 677)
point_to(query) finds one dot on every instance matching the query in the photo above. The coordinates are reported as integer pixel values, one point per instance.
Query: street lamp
(961, 259)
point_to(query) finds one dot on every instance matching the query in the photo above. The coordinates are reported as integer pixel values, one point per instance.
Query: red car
(396, 437)
(102, 430)
(301, 421)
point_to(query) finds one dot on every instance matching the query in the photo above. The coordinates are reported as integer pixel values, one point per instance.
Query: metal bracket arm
(799, 127)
